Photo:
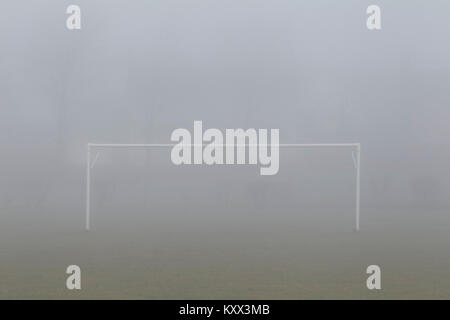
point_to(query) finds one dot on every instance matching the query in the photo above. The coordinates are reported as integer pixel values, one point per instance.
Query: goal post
(355, 147)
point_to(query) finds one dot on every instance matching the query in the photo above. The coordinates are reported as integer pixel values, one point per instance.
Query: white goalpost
(355, 147)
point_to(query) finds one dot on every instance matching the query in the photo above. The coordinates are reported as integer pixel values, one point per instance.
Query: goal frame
(355, 147)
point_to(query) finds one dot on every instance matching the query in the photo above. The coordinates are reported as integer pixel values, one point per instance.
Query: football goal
(355, 148)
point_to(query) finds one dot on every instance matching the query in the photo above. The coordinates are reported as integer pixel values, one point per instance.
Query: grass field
(264, 258)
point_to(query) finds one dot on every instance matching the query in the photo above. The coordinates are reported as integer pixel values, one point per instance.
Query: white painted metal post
(88, 187)
(358, 169)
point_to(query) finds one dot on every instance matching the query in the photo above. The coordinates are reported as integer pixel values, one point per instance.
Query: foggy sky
(139, 69)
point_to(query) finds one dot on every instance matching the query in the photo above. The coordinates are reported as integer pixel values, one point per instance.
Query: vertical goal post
(355, 147)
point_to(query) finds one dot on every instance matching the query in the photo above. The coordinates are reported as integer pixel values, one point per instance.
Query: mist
(138, 70)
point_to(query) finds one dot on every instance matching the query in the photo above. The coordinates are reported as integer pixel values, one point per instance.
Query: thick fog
(137, 70)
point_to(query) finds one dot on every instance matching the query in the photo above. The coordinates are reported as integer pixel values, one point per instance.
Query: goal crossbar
(355, 146)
